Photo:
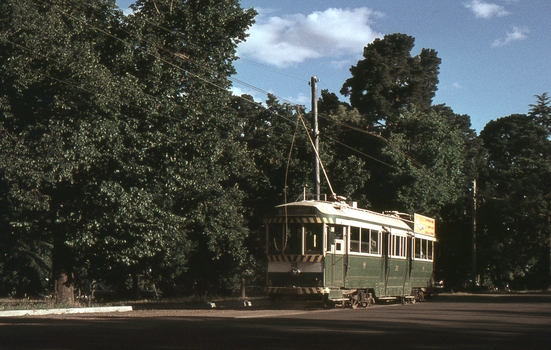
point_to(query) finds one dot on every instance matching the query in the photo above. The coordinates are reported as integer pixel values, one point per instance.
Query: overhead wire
(198, 76)
(263, 66)
(184, 57)
(66, 82)
(352, 127)
(316, 152)
(384, 140)
(360, 152)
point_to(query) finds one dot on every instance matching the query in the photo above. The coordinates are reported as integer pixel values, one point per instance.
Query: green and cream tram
(336, 252)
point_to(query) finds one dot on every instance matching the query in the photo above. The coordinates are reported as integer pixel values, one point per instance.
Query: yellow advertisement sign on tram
(424, 225)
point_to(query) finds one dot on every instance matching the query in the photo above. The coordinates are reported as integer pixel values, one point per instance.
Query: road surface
(446, 322)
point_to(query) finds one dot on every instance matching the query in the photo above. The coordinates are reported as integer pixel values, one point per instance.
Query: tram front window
(280, 242)
(313, 238)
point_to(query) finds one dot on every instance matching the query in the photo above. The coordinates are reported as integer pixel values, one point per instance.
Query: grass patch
(25, 304)
(40, 304)
(8, 304)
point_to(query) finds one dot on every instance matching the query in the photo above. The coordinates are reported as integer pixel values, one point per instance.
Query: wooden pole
(314, 86)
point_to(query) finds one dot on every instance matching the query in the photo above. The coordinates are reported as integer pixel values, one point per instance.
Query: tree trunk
(243, 288)
(64, 289)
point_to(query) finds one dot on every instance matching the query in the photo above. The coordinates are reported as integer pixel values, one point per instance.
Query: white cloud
(301, 99)
(238, 91)
(456, 85)
(338, 64)
(518, 33)
(292, 39)
(483, 9)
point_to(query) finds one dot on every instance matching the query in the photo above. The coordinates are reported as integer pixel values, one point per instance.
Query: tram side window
(313, 238)
(355, 239)
(335, 232)
(419, 249)
(335, 236)
(399, 246)
(423, 249)
(375, 238)
(364, 247)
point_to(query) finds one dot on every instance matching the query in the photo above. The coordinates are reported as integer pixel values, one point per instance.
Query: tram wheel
(354, 304)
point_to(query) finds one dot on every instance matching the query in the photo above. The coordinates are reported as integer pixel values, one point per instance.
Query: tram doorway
(336, 237)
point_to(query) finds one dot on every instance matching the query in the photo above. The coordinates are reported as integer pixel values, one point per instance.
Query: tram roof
(343, 210)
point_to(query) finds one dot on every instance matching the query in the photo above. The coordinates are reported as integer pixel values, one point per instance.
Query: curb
(79, 310)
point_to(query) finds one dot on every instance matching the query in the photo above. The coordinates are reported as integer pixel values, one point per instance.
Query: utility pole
(314, 86)
(473, 258)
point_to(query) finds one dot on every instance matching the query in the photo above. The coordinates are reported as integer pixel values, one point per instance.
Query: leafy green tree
(429, 156)
(194, 49)
(279, 136)
(454, 253)
(48, 61)
(515, 190)
(118, 149)
(541, 111)
(342, 148)
(389, 79)
(433, 158)
(417, 157)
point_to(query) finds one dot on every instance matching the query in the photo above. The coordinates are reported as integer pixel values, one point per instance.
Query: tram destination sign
(424, 225)
(297, 211)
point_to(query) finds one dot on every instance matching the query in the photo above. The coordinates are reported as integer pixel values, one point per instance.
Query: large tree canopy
(429, 156)
(123, 155)
(515, 194)
(119, 155)
(389, 79)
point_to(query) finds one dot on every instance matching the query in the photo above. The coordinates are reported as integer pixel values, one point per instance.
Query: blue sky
(495, 53)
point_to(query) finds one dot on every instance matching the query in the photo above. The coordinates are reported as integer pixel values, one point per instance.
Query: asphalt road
(446, 322)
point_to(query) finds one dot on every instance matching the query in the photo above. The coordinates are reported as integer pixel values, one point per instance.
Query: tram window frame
(294, 237)
(418, 248)
(424, 249)
(275, 238)
(430, 250)
(375, 246)
(335, 236)
(316, 232)
(354, 239)
(365, 235)
(399, 246)
(365, 241)
(289, 243)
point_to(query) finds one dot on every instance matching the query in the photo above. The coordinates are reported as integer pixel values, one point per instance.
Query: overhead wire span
(360, 152)
(184, 57)
(71, 84)
(387, 142)
(294, 76)
(198, 76)
(147, 52)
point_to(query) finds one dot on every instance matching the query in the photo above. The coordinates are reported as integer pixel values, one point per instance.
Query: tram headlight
(294, 272)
